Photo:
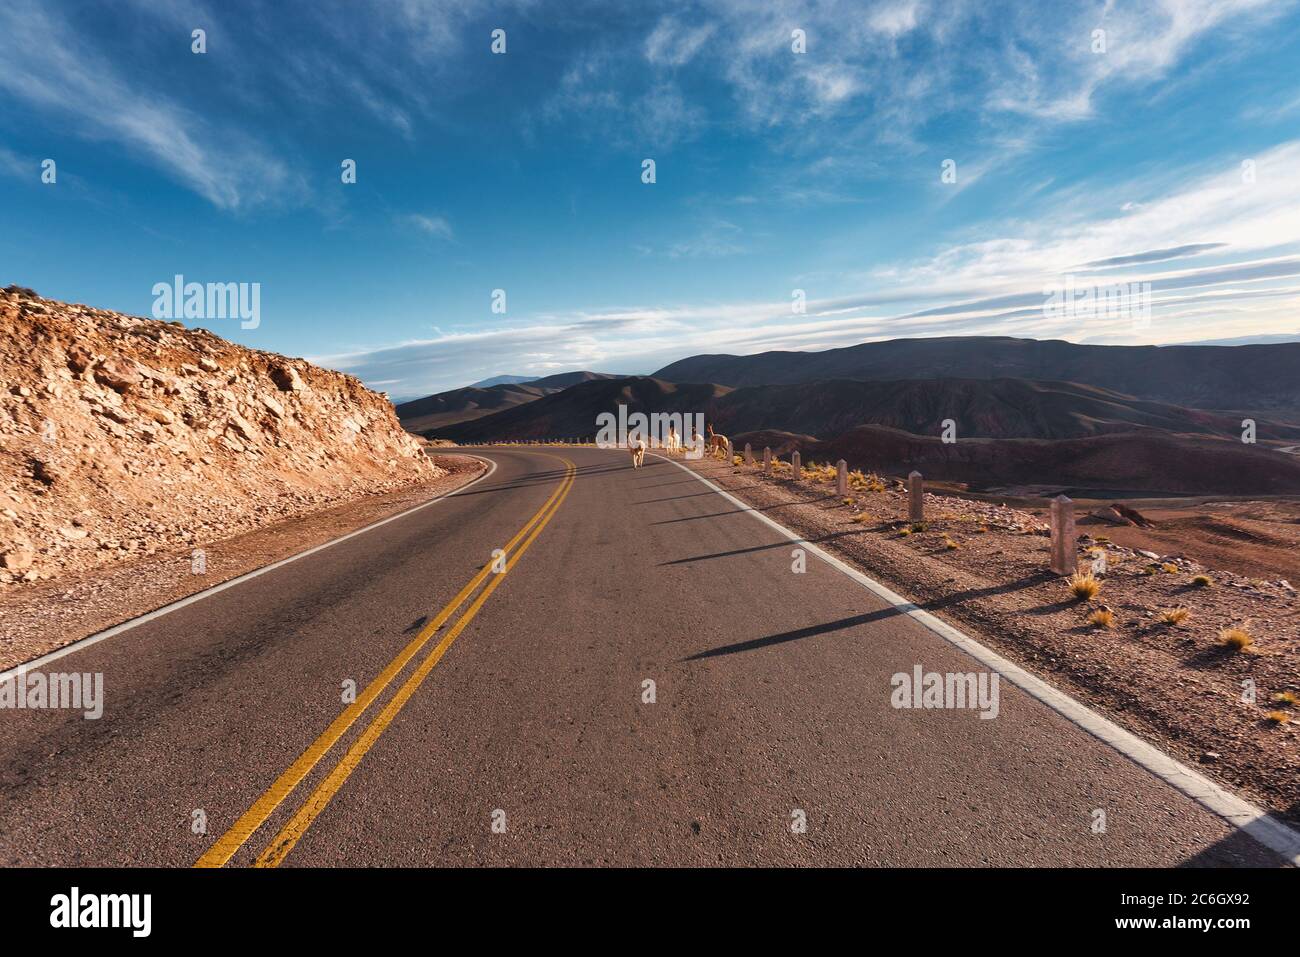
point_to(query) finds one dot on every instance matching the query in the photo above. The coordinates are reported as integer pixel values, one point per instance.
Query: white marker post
(796, 466)
(767, 461)
(841, 478)
(749, 455)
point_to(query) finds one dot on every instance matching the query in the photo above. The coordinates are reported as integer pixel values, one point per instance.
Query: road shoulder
(1153, 694)
(39, 619)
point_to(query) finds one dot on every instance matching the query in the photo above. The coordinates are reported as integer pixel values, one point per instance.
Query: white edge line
(1264, 828)
(239, 580)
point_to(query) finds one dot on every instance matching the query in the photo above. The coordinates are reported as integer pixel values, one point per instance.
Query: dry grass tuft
(1287, 699)
(866, 482)
(1278, 717)
(1102, 618)
(1175, 616)
(1236, 639)
(1202, 581)
(1084, 586)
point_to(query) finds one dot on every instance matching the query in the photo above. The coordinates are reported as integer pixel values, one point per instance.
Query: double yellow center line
(252, 819)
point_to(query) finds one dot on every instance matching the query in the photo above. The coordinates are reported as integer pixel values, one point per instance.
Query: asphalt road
(512, 728)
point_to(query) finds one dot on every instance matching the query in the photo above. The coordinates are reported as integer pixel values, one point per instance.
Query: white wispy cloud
(46, 66)
(430, 225)
(11, 164)
(673, 43)
(1214, 248)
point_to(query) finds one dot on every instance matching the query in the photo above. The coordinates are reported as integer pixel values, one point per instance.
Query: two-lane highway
(652, 679)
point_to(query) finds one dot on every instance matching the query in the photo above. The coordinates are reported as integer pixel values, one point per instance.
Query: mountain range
(1251, 378)
(1026, 413)
(994, 408)
(475, 401)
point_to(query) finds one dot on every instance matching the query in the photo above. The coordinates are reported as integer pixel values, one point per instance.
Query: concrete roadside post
(915, 497)
(749, 455)
(841, 478)
(767, 461)
(1065, 558)
(796, 466)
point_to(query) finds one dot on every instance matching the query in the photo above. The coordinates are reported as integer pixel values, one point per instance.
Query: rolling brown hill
(997, 408)
(1254, 379)
(472, 402)
(1011, 432)
(572, 413)
(1152, 463)
(986, 408)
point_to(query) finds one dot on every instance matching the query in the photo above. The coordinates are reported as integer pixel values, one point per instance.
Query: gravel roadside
(41, 617)
(983, 567)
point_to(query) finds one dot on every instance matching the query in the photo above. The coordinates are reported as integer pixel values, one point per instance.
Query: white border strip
(1267, 830)
(208, 592)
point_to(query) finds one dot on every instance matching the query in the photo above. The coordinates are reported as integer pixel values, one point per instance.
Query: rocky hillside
(122, 437)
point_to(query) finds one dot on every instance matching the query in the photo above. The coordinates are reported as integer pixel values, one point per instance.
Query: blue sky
(1167, 153)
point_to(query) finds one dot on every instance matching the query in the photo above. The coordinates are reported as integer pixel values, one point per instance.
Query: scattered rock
(286, 378)
(79, 359)
(17, 557)
(120, 375)
(47, 471)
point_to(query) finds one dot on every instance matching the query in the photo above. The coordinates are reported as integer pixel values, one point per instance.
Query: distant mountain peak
(500, 380)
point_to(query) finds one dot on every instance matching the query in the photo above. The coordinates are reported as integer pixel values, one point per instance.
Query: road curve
(509, 722)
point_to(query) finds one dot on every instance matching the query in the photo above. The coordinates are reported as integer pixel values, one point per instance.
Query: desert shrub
(1102, 618)
(920, 527)
(1169, 568)
(1175, 616)
(866, 482)
(949, 544)
(1202, 581)
(1084, 586)
(1287, 699)
(1278, 717)
(904, 532)
(861, 517)
(1236, 639)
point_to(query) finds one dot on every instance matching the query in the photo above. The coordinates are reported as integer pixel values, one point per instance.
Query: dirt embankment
(50, 614)
(122, 437)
